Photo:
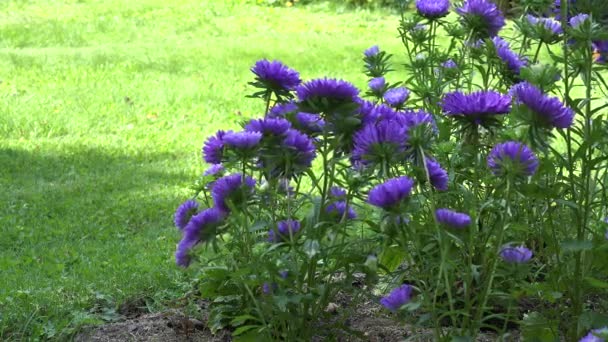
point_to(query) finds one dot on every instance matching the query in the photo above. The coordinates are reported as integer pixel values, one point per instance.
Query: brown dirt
(170, 326)
(368, 321)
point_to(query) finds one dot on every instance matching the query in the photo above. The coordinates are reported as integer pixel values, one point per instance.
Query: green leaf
(598, 284)
(243, 329)
(311, 248)
(391, 257)
(238, 320)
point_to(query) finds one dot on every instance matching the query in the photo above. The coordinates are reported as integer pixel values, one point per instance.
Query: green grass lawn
(104, 108)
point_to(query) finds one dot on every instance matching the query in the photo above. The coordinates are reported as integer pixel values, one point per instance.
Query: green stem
(488, 287)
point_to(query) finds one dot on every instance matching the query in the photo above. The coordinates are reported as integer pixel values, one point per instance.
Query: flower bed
(458, 194)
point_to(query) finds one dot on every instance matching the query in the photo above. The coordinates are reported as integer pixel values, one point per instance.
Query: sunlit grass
(104, 108)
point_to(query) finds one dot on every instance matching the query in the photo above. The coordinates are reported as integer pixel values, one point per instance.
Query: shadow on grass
(75, 222)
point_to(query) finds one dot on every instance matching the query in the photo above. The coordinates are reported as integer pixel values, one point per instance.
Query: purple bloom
(433, 8)
(377, 84)
(397, 298)
(438, 176)
(545, 29)
(327, 88)
(285, 229)
(512, 60)
(200, 227)
(213, 148)
(242, 140)
(214, 170)
(367, 111)
(184, 212)
(372, 51)
(519, 254)
(231, 189)
(452, 218)
(550, 111)
(396, 97)
(549, 24)
(481, 16)
(339, 208)
(268, 288)
(391, 193)
(601, 48)
(310, 123)
(282, 109)
(512, 158)
(377, 143)
(596, 335)
(301, 148)
(591, 337)
(337, 192)
(420, 127)
(476, 107)
(268, 126)
(578, 20)
(275, 75)
(449, 64)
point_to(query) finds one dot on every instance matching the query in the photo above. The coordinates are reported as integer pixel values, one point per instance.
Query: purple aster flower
(512, 60)
(214, 148)
(433, 8)
(545, 29)
(397, 298)
(269, 288)
(367, 112)
(438, 176)
(391, 193)
(601, 48)
(337, 192)
(396, 97)
(420, 129)
(372, 51)
(381, 112)
(378, 143)
(481, 16)
(578, 20)
(301, 147)
(184, 212)
(275, 75)
(280, 110)
(549, 24)
(284, 230)
(327, 88)
(477, 107)
(512, 158)
(214, 169)
(231, 188)
(591, 337)
(284, 274)
(201, 226)
(242, 140)
(519, 254)
(449, 64)
(339, 208)
(549, 111)
(310, 123)
(377, 85)
(452, 219)
(268, 126)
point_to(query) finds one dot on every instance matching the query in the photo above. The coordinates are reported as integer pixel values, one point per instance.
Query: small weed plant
(469, 195)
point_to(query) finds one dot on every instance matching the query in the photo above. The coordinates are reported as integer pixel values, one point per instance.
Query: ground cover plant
(470, 194)
(104, 107)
